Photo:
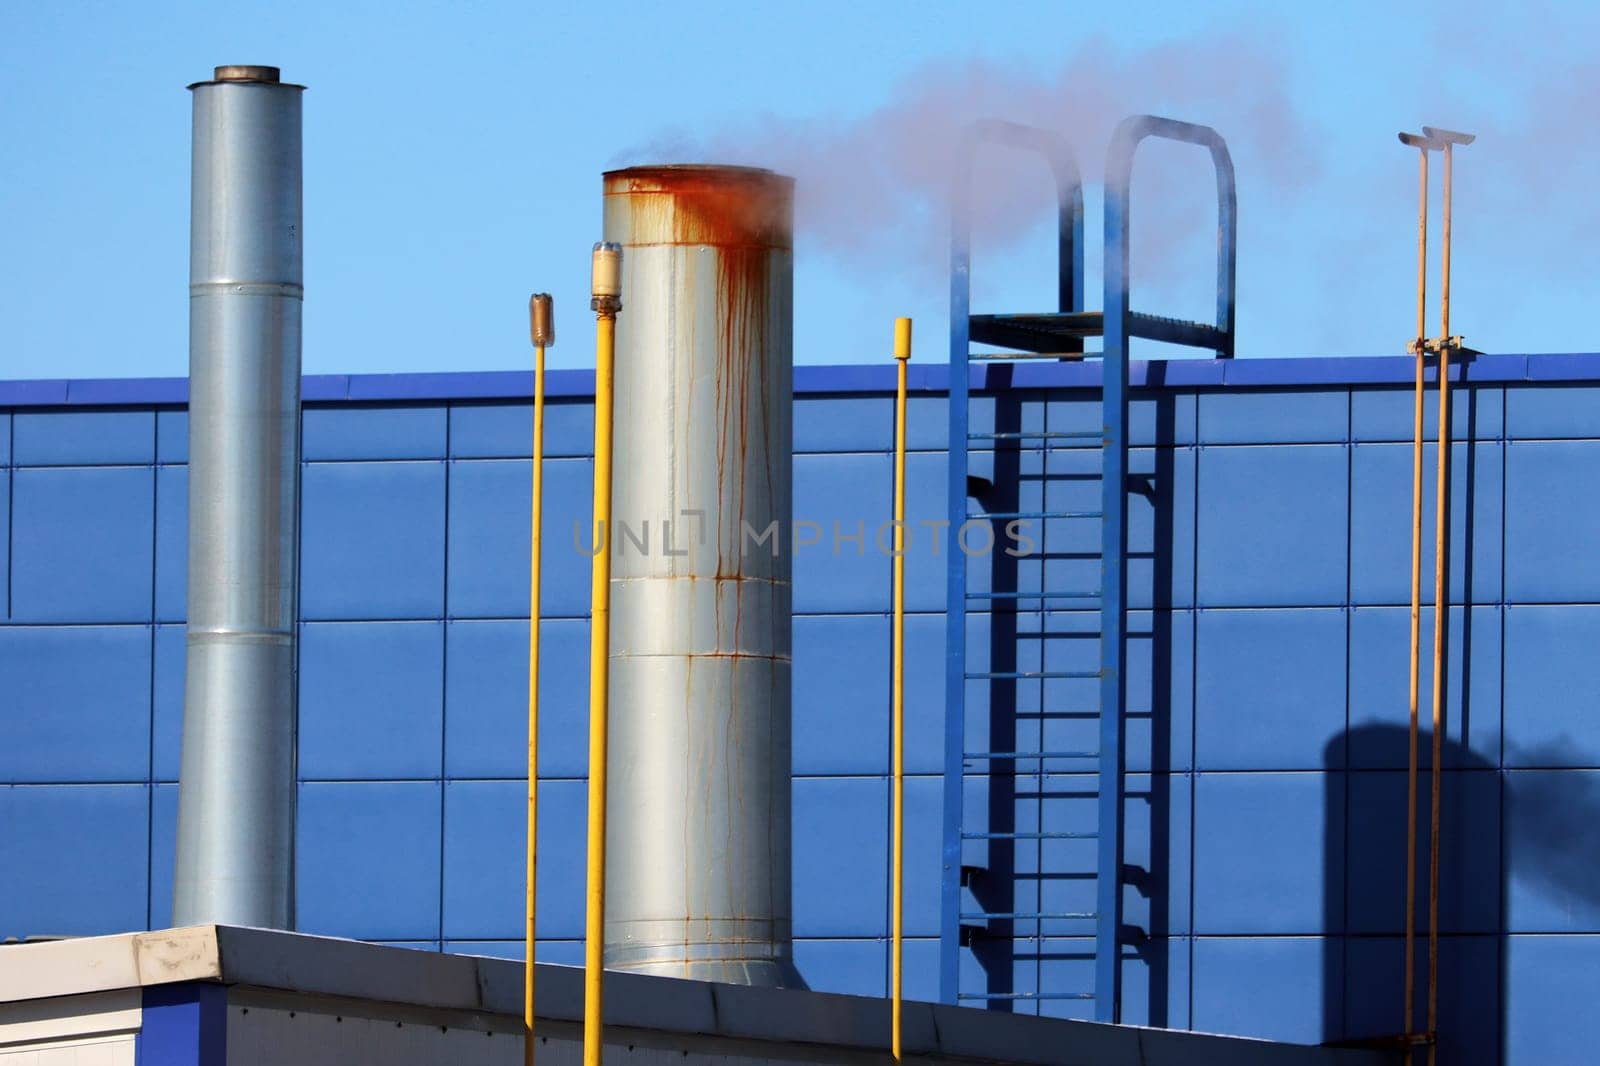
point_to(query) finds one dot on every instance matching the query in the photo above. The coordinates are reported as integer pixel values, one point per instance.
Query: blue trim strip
(1574, 368)
(183, 1025)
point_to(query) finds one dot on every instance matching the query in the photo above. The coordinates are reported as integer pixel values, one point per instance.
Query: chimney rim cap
(247, 74)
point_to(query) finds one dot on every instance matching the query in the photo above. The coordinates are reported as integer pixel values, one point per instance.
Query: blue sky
(453, 155)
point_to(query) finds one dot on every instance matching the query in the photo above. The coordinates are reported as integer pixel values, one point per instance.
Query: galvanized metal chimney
(698, 841)
(235, 849)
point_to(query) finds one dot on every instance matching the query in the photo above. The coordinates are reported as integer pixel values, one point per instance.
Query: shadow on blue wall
(1364, 894)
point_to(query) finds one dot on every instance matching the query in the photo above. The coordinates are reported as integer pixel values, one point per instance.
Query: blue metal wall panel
(75, 859)
(1166, 419)
(1269, 688)
(1272, 528)
(841, 856)
(1476, 413)
(1158, 843)
(852, 967)
(367, 859)
(166, 700)
(83, 438)
(1552, 521)
(1380, 671)
(489, 538)
(1155, 983)
(484, 866)
(1161, 690)
(505, 431)
(1555, 412)
(371, 700)
(840, 716)
(82, 544)
(924, 694)
(845, 496)
(1550, 984)
(1277, 988)
(484, 861)
(1380, 522)
(372, 539)
(183, 1025)
(1272, 524)
(1161, 527)
(172, 436)
(1269, 853)
(844, 424)
(924, 841)
(502, 949)
(1469, 879)
(927, 539)
(172, 543)
(373, 433)
(927, 424)
(5, 547)
(1552, 686)
(1469, 993)
(1269, 417)
(163, 852)
(1552, 835)
(74, 703)
(486, 699)
(503, 810)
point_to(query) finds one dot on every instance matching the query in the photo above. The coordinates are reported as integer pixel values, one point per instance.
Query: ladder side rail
(955, 597)
(1070, 273)
(1058, 154)
(1114, 544)
(1119, 173)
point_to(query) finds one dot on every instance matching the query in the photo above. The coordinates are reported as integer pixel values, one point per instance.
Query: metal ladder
(982, 876)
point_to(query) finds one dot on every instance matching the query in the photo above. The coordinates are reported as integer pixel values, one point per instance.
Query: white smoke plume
(1327, 212)
(885, 180)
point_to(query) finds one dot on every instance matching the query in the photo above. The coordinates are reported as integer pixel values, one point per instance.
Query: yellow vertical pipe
(542, 326)
(902, 354)
(1441, 606)
(533, 697)
(607, 287)
(1416, 600)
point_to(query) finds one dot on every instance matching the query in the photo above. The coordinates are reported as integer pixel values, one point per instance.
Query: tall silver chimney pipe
(698, 841)
(235, 850)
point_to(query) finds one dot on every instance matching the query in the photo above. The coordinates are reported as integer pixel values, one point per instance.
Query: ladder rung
(1023, 675)
(1034, 595)
(1025, 916)
(1029, 836)
(1036, 514)
(1001, 756)
(1083, 434)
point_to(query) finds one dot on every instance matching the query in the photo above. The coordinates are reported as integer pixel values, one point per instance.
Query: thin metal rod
(599, 649)
(1416, 599)
(1441, 609)
(1422, 251)
(1444, 269)
(902, 355)
(533, 699)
